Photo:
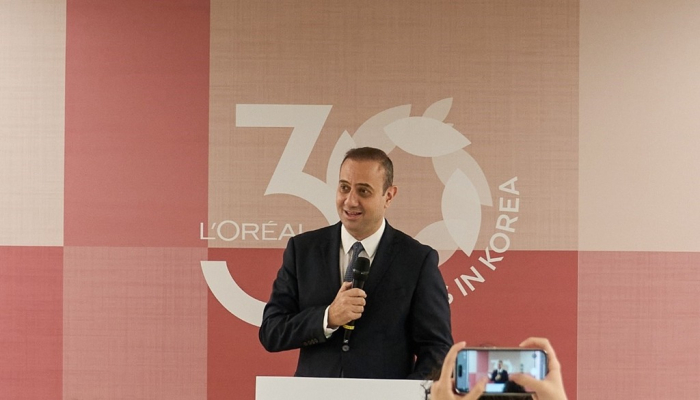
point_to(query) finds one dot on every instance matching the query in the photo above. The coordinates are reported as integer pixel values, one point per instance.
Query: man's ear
(390, 193)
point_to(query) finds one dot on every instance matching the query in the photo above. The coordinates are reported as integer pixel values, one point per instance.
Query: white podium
(291, 388)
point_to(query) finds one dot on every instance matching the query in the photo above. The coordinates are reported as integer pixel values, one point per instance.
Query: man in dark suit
(402, 317)
(499, 375)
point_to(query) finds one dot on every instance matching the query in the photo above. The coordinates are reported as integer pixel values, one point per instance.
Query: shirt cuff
(326, 330)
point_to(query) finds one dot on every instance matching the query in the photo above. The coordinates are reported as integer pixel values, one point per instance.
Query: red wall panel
(137, 97)
(31, 322)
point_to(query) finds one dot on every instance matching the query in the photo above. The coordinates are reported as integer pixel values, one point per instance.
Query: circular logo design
(465, 187)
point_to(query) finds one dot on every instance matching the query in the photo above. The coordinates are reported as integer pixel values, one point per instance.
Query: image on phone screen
(496, 365)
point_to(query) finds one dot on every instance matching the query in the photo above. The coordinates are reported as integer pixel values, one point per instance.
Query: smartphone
(496, 363)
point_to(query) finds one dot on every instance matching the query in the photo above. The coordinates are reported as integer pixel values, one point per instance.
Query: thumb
(345, 286)
(479, 388)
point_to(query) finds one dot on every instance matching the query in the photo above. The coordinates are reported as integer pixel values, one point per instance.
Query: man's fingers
(345, 287)
(355, 292)
(357, 311)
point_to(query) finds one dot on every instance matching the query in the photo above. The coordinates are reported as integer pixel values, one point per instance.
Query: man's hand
(347, 306)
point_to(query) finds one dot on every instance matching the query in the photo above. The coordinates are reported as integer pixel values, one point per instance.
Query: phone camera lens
(459, 371)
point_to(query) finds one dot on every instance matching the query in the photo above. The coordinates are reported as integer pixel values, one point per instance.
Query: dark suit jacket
(404, 331)
(502, 379)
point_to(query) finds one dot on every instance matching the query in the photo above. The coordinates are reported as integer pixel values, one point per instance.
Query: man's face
(360, 199)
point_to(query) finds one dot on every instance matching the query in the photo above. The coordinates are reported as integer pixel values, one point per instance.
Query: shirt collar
(370, 243)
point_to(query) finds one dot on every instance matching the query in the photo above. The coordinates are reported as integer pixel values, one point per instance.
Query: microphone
(360, 272)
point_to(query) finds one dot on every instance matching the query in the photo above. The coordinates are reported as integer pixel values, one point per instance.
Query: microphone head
(361, 269)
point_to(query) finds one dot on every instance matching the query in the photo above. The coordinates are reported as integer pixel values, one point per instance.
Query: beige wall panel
(510, 67)
(640, 125)
(32, 91)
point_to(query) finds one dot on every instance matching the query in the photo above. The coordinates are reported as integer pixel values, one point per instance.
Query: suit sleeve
(286, 324)
(430, 323)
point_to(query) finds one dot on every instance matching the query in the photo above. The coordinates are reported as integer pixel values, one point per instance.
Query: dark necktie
(355, 251)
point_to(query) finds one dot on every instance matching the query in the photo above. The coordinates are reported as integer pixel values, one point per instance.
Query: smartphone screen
(496, 364)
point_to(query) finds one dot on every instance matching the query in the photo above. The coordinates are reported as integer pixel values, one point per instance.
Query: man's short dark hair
(373, 154)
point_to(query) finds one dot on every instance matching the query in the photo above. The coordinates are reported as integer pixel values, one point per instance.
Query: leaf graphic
(461, 210)
(425, 137)
(439, 109)
(461, 160)
(371, 132)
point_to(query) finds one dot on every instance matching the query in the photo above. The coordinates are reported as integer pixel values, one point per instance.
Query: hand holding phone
(552, 386)
(549, 388)
(443, 388)
(496, 365)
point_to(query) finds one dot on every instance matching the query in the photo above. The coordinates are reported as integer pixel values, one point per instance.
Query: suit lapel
(382, 260)
(331, 257)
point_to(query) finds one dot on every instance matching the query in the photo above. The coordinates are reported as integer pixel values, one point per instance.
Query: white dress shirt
(369, 244)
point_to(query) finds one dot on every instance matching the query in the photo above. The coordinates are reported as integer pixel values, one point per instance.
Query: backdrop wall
(155, 158)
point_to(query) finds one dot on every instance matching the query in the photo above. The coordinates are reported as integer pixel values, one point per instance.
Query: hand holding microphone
(349, 303)
(359, 276)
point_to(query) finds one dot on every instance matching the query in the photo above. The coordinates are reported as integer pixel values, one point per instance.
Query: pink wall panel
(134, 323)
(31, 322)
(137, 96)
(639, 318)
